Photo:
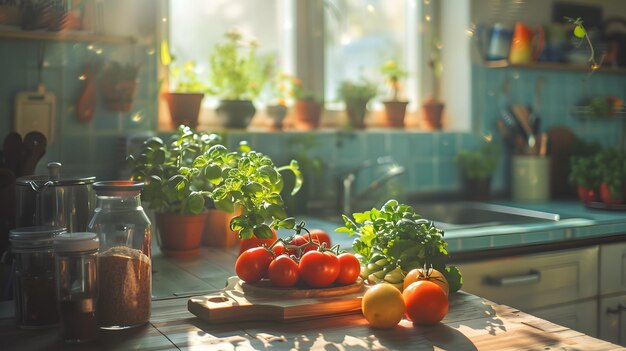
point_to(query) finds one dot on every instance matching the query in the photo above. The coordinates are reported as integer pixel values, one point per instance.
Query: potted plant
(119, 85)
(185, 99)
(585, 176)
(433, 107)
(237, 76)
(476, 169)
(308, 107)
(611, 166)
(395, 109)
(193, 172)
(356, 95)
(282, 92)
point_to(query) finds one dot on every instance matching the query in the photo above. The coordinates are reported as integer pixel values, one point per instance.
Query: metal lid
(118, 188)
(34, 237)
(76, 242)
(54, 178)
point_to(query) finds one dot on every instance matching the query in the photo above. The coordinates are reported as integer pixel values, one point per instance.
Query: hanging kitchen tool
(35, 110)
(34, 149)
(86, 104)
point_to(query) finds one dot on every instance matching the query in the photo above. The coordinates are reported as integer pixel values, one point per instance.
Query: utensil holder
(530, 178)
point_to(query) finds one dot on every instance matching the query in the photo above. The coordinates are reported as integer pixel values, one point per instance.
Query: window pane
(363, 34)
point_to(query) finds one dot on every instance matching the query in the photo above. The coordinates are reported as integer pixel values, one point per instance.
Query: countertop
(472, 323)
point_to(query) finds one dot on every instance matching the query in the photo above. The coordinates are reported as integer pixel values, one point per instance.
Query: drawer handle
(533, 276)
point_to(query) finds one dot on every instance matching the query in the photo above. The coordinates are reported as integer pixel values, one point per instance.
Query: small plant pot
(308, 113)
(217, 231)
(476, 189)
(587, 195)
(432, 114)
(235, 114)
(394, 113)
(277, 113)
(119, 96)
(184, 108)
(607, 197)
(181, 235)
(356, 111)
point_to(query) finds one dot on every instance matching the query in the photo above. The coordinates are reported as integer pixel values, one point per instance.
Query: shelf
(67, 35)
(555, 66)
(586, 113)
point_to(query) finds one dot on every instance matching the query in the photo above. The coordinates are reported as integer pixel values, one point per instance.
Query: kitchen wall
(96, 147)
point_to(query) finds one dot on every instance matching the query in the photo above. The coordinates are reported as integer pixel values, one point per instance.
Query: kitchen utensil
(54, 200)
(34, 149)
(13, 149)
(520, 112)
(526, 44)
(238, 303)
(35, 110)
(86, 104)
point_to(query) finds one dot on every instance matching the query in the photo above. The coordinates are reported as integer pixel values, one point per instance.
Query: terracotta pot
(235, 114)
(308, 113)
(394, 113)
(587, 195)
(184, 108)
(356, 111)
(10, 15)
(607, 197)
(432, 114)
(476, 189)
(119, 96)
(180, 234)
(217, 231)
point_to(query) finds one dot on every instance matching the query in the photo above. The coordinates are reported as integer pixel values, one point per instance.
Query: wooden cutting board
(239, 302)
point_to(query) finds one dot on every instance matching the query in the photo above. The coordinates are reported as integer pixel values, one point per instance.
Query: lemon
(383, 306)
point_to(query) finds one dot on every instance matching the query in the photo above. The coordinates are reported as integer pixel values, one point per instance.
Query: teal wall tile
(447, 175)
(422, 145)
(422, 175)
(350, 147)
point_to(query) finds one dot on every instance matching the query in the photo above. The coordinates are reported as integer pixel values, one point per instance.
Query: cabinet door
(612, 319)
(535, 281)
(580, 316)
(612, 268)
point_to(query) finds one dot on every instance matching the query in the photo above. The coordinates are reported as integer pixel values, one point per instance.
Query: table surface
(472, 323)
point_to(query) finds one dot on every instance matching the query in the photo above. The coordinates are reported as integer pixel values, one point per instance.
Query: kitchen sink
(457, 215)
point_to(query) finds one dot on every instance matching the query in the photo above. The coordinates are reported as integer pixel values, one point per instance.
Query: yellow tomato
(432, 275)
(383, 306)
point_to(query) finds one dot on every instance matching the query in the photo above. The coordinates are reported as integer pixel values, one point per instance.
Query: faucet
(346, 181)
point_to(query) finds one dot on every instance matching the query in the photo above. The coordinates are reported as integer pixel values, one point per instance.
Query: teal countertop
(577, 222)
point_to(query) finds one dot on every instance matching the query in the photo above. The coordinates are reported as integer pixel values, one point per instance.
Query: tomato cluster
(302, 259)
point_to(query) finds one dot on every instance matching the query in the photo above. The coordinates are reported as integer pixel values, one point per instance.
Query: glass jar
(33, 272)
(77, 288)
(124, 266)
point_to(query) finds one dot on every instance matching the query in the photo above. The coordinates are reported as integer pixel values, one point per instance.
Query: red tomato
(349, 270)
(319, 269)
(245, 244)
(426, 303)
(252, 264)
(283, 272)
(300, 240)
(320, 237)
(278, 249)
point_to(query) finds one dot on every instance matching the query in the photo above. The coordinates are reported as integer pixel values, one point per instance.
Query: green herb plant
(584, 172)
(193, 168)
(478, 164)
(393, 74)
(581, 33)
(236, 71)
(611, 165)
(185, 79)
(402, 238)
(117, 72)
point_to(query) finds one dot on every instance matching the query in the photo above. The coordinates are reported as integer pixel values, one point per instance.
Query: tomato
(426, 303)
(432, 275)
(245, 244)
(252, 264)
(283, 272)
(320, 237)
(278, 249)
(319, 269)
(300, 240)
(349, 270)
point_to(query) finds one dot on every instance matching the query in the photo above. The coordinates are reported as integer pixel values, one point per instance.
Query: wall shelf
(67, 35)
(556, 66)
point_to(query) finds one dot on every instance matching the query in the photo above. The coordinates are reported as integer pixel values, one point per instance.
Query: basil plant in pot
(395, 109)
(194, 172)
(356, 95)
(476, 168)
(585, 175)
(185, 98)
(237, 76)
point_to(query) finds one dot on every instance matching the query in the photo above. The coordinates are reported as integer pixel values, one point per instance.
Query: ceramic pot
(586, 195)
(180, 234)
(607, 197)
(217, 231)
(476, 189)
(394, 113)
(356, 111)
(235, 114)
(432, 114)
(277, 113)
(308, 113)
(184, 108)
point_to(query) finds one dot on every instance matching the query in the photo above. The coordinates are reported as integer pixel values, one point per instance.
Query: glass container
(124, 266)
(33, 273)
(77, 287)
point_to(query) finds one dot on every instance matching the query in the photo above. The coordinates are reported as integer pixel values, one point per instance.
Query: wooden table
(472, 323)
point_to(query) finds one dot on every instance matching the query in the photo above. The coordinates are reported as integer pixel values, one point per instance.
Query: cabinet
(612, 305)
(581, 316)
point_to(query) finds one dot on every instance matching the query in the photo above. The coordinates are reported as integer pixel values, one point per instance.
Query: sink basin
(456, 215)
